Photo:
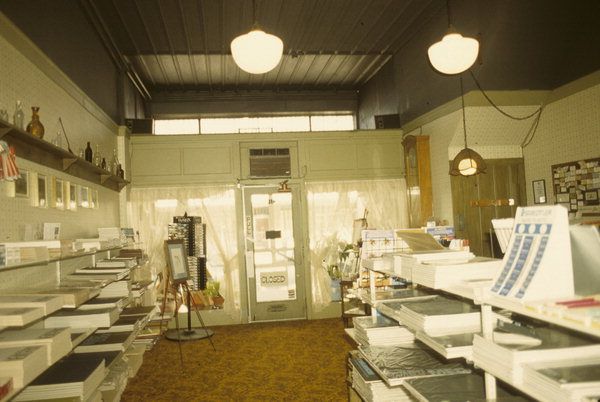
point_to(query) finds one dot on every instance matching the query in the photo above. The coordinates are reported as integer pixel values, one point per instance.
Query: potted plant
(212, 291)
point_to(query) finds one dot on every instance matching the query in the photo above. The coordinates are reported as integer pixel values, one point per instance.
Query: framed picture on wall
(42, 191)
(72, 204)
(59, 194)
(539, 191)
(22, 184)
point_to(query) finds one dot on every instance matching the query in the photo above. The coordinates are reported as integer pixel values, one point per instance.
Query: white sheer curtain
(152, 209)
(332, 209)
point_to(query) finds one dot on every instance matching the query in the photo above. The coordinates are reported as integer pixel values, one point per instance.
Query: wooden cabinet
(44, 153)
(418, 179)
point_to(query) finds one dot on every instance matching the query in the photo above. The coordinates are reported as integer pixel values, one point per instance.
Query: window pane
(176, 126)
(332, 123)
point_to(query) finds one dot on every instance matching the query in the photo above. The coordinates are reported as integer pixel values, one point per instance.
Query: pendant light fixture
(256, 52)
(467, 162)
(454, 53)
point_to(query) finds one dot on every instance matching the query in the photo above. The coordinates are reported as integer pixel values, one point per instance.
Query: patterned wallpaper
(21, 79)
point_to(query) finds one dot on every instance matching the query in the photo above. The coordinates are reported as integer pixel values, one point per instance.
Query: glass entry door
(274, 268)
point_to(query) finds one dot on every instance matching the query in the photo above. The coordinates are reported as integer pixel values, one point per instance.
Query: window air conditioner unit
(270, 162)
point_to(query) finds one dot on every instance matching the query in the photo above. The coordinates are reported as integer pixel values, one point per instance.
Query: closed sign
(274, 278)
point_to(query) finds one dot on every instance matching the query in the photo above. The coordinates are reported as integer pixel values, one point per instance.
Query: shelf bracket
(67, 162)
(104, 177)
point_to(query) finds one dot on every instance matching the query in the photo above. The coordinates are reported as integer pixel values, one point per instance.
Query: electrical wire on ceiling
(537, 113)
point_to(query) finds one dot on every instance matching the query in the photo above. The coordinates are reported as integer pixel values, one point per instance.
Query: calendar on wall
(577, 184)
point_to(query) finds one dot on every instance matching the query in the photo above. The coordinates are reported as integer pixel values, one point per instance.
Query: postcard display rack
(42, 330)
(560, 359)
(192, 231)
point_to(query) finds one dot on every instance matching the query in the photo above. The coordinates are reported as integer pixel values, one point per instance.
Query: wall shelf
(44, 153)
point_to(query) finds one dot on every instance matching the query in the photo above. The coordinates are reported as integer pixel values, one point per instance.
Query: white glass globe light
(453, 54)
(467, 167)
(257, 52)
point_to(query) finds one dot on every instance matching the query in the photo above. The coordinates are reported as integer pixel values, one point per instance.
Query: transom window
(268, 124)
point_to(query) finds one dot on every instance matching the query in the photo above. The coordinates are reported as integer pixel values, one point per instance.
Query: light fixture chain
(462, 99)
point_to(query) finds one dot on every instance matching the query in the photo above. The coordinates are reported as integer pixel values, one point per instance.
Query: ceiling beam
(168, 38)
(188, 43)
(202, 22)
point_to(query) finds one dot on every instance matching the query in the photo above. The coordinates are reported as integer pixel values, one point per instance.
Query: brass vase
(35, 127)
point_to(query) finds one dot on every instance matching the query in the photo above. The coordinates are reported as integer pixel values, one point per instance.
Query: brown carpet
(282, 361)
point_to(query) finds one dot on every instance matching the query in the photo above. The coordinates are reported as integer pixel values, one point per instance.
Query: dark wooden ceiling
(182, 44)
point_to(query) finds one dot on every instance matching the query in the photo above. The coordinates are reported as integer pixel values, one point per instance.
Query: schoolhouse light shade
(257, 52)
(467, 163)
(454, 53)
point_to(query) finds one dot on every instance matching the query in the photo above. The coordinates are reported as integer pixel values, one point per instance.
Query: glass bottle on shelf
(97, 157)
(19, 116)
(103, 163)
(114, 163)
(35, 126)
(88, 153)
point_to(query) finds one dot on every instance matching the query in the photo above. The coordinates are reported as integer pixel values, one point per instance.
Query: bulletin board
(577, 184)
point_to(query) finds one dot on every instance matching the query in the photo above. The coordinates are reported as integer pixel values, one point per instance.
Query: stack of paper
(569, 380)
(23, 364)
(440, 316)
(460, 387)
(108, 341)
(143, 313)
(396, 364)
(405, 261)
(377, 264)
(109, 233)
(78, 335)
(148, 337)
(441, 274)
(131, 323)
(56, 341)
(450, 346)
(19, 316)
(104, 302)
(71, 296)
(49, 304)
(115, 381)
(117, 289)
(380, 331)
(371, 387)
(134, 356)
(392, 295)
(117, 262)
(75, 376)
(99, 318)
(505, 354)
(99, 274)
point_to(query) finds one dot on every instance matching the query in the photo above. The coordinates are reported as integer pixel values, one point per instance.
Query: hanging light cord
(497, 108)
(462, 99)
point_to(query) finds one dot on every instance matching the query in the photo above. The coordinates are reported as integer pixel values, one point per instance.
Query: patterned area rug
(282, 361)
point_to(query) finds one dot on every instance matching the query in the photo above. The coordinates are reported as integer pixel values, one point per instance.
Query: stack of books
(460, 387)
(440, 316)
(142, 313)
(371, 387)
(78, 335)
(442, 274)
(380, 331)
(131, 323)
(505, 354)
(49, 304)
(120, 288)
(19, 316)
(23, 364)
(570, 380)
(106, 342)
(76, 376)
(451, 346)
(396, 364)
(56, 341)
(76, 318)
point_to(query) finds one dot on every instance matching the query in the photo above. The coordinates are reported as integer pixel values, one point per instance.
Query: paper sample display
(537, 262)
